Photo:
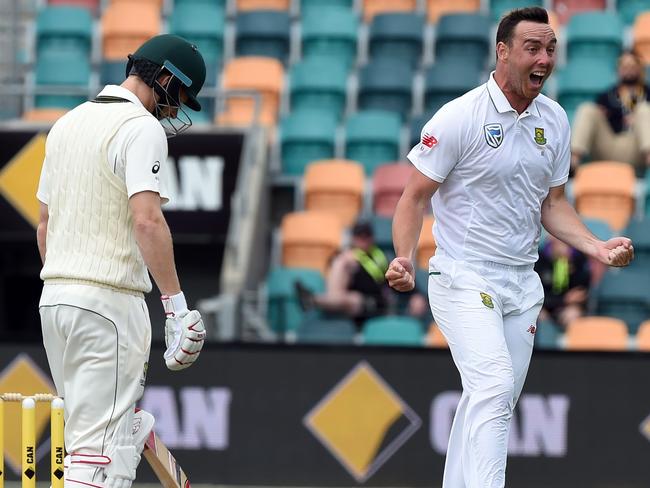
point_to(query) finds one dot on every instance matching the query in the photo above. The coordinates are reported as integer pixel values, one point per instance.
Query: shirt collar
(502, 104)
(121, 92)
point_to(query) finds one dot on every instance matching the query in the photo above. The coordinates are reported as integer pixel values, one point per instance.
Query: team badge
(487, 300)
(493, 134)
(539, 136)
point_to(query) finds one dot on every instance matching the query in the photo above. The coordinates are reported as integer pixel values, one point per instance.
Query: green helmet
(180, 58)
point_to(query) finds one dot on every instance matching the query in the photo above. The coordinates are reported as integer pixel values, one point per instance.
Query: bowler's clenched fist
(400, 274)
(617, 252)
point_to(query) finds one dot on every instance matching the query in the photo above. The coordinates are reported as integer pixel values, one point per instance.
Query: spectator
(566, 278)
(356, 286)
(617, 126)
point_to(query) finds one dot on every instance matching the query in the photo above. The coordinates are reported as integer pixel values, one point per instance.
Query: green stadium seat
(386, 84)
(319, 83)
(372, 137)
(305, 136)
(625, 294)
(596, 35)
(446, 80)
(283, 309)
(263, 33)
(500, 7)
(639, 231)
(201, 23)
(397, 35)
(330, 31)
(306, 5)
(64, 29)
(629, 9)
(463, 36)
(382, 229)
(61, 71)
(338, 331)
(393, 331)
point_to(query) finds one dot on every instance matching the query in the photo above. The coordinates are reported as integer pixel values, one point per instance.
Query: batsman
(101, 232)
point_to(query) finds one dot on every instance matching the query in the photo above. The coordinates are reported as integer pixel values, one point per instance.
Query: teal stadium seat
(283, 309)
(61, 71)
(202, 23)
(335, 331)
(112, 72)
(393, 330)
(305, 136)
(219, 3)
(64, 30)
(446, 80)
(639, 232)
(463, 36)
(306, 5)
(263, 33)
(415, 127)
(596, 35)
(398, 36)
(500, 7)
(625, 294)
(372, 137)
(629, 9)
(386, 84)
(319, 83)
(599, 228)
(581, 81)
(382, 229)
(547, 335)
(330, 31)
(91, 5)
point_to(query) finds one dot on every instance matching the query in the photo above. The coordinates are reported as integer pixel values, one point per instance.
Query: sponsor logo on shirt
(493, 134)
(428, 140)
(532, 329)
(156, 167)
(487, 300)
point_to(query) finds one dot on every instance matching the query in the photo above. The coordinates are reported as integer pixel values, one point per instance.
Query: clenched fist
(400, 274)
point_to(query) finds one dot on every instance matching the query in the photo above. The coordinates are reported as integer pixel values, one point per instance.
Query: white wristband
(174, 305)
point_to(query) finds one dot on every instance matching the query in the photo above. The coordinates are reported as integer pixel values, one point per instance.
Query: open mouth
(536, 79)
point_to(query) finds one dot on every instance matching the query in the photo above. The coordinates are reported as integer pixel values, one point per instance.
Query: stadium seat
(330, 31)
(306, 136)
(463, 36)
(605, 190)
(372, 138)
(500, 7)
(310, 239)
(388, 183)
(126, 25)
(382, 229)
(263, 33)
(64, 30)
(283, 309)
(335, 186)
(245, 5)
(251, 73)
(629, 9)
(565, 9)
(596, 334)
(438, 8)
(203, 24)
(319, 83)
(63, 71)
(639, 232)
(43, 115)
(386, 84)
(306, 5)
(91, 5)
(393, 331)
(326, 331)
(641, 36)
(112, 72)
(643, 337)
(426, 247)
(599, 228)
(580, 81)
(446, 80)
(397, 36)
(625, 294)
(547, 335)
(374, 7)
(595, 35)
(435, 338)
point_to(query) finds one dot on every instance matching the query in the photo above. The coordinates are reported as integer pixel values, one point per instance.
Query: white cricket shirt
(496, 168)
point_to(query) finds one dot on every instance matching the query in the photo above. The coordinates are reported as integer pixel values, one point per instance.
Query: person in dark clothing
(617, 126)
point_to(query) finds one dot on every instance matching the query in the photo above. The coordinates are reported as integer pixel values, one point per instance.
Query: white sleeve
(144, 151)
(439, 148)
(562, 163)
(42, 194)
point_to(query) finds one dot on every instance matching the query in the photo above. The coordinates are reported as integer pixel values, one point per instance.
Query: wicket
(28, 451)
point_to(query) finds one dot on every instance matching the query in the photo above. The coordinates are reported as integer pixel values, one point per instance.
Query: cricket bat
(167, 469)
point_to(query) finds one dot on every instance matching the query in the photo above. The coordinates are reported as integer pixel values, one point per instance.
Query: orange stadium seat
(263, 5)
(335, 186)
(606, 190)
(641, 36)
(310, 239)
(43, 115)
(435, 338)
(374, 7)
(426, 243)
(252, 73)
(126, 25)
(566, 8)
(388, 183)
(156, 3)
(596, 334)
(643, 337)
(437, 8)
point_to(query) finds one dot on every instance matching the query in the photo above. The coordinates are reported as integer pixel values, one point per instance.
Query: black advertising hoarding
(310, 416)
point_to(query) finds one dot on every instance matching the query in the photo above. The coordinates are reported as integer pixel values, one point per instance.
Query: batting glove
(184, 333)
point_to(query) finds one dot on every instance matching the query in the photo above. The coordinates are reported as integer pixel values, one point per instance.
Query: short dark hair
(633, 53)
(506, 28)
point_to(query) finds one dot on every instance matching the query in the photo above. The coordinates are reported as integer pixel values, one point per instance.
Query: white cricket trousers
(488, 313)
(97, 342)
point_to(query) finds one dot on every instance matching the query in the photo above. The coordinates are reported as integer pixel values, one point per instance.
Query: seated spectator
(566, 278)
(356, 286)
(617, 126)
